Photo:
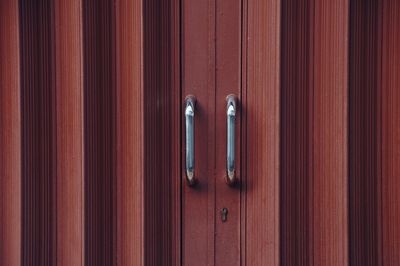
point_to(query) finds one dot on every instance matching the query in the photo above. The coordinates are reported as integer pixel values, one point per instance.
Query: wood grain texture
(390, 86)
(69, 132)
(161, 109)
(10, 135)
(261, 120)
(296, 132)
(52, 132)
(314, 133)
(132, 142)
(228, 81)
(38, 126)
(129, 235)
(175, 131)
(330, 133)
(374, 161)
(99, 133)
(198, 79)
(364, 133)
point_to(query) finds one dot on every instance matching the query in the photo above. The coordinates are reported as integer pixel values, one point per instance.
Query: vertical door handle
(230, 144)
(190, 103)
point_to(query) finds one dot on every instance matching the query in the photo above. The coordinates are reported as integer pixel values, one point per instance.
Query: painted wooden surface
(198, 79)
(390, 85)
(79, 186)
(374, 124)
(92, 131)
(314, 99)
(10, 135)
(68, 77)
(261, 114)
(228, 34)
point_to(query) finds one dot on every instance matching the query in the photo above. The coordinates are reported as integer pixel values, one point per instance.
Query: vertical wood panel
(10, 135)
(330, 133)
(364, 133)
(390, 86)
(52, 132)
(261, 129)
(175, 137)
(147, 133)
(296, 132)
(375, 204)
(129, 148)
(38, 133)
(228, 81)
(99, 132)
(314, 132)
(69, 133)
(161, 109)
(198, 79)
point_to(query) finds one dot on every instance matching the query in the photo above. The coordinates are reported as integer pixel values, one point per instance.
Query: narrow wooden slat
(38, 126)
(330, 133)
(129, 162)
(161, 142)
(296, 132)
(174, 150)
(261, 116)
(161, 111)
(99, 132)
(228, 81)
(10, 136)
(69, 133)
(314, 97)
(390, 86)
(198, 79)
(364, 133)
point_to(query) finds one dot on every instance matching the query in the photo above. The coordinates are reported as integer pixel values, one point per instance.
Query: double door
(211, 129)
(314, 143)
(199, 132)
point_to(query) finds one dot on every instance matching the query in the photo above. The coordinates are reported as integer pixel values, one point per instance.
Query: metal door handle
(190, 103)
(230, 144)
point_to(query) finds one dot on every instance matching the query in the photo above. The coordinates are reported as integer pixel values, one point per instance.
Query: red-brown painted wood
(374, 160)
(129, 235)
(228, 81)
(161, 112)
(330, 133)
(38, 134)
(91, 75)
(314, 123)
(68, 43)
(390, 86)
(92, 132)
(99, 134)
(365, 121)
(52, 133)
(132, 142)
(260, 109)
(10, 135)
(198, 79)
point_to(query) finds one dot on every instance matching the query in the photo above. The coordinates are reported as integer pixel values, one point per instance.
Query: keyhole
(224, 214)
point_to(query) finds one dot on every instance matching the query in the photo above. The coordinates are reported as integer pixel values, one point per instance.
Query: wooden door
(211, 70)
(93, 132)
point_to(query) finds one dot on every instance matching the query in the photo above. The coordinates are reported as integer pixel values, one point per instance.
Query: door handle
(230, 139)
(190, 103)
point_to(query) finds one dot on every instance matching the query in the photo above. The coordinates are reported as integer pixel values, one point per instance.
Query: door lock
(224, 214)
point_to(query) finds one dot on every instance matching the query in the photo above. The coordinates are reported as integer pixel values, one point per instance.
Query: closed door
(211, 71)
(199, 132)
